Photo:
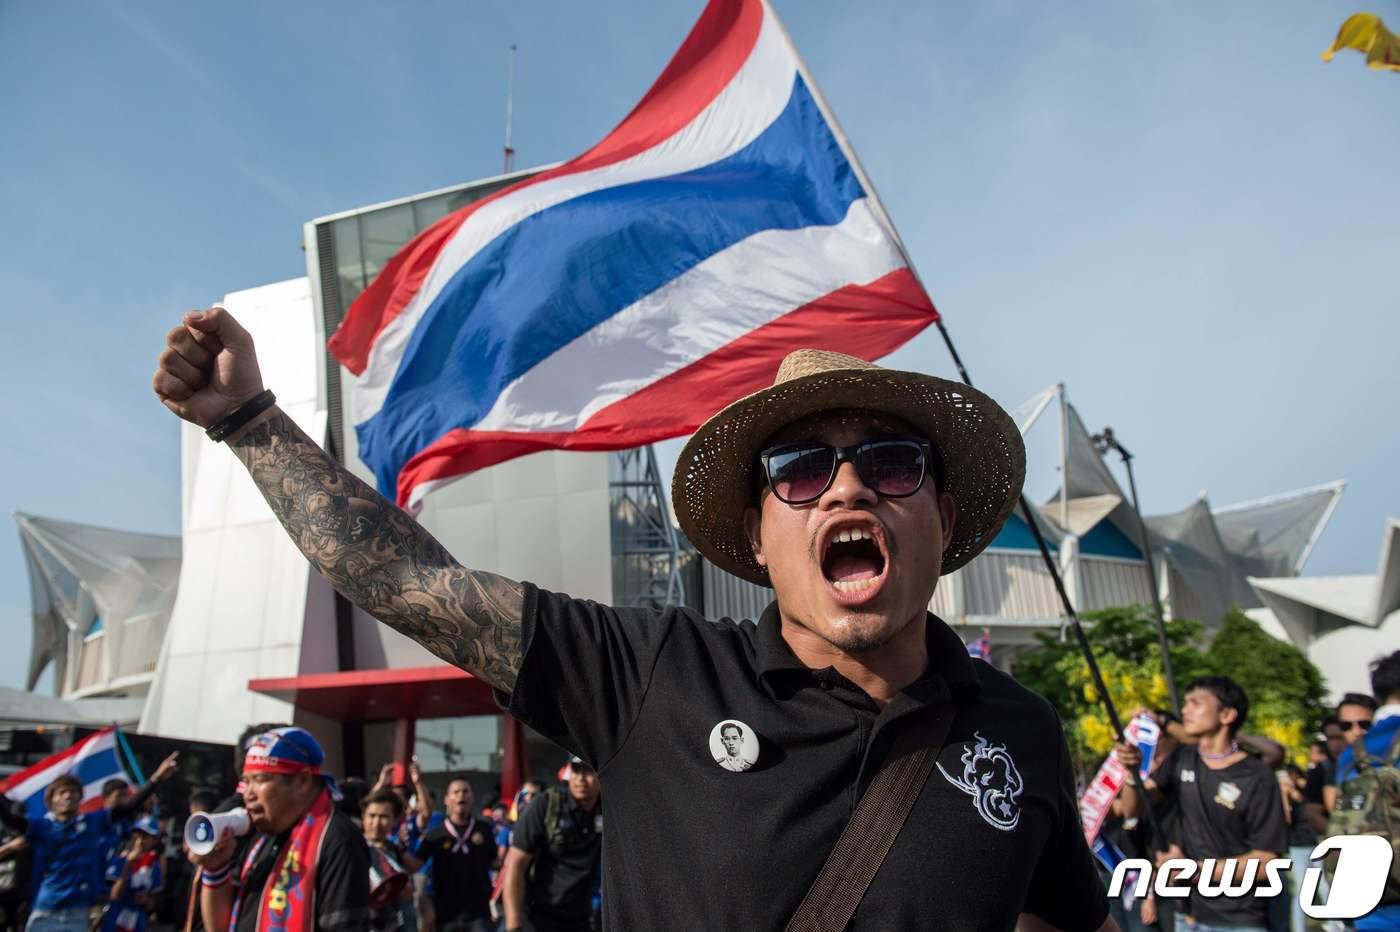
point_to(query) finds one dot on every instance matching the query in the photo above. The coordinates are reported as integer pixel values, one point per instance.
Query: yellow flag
(1367, 34)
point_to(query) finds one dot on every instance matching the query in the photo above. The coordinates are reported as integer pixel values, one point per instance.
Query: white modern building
(1344, 622)
(227, 625)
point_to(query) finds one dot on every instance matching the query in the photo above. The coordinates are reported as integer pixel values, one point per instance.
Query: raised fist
(208, 367)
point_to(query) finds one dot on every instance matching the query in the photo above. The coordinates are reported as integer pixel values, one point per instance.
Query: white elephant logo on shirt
(990, 777)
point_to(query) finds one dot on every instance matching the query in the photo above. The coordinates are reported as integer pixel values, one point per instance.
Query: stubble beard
(861, 637)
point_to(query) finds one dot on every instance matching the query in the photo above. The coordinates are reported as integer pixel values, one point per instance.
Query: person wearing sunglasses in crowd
(1374, 748)
(1355, 715)
(848, 488)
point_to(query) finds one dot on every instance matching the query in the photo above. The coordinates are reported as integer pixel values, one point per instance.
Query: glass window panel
(385, 233)
(430, 210)
(448, 745)
(461, 199)
(349, 264)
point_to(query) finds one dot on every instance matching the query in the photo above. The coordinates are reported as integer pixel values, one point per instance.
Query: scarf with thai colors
(287, 903)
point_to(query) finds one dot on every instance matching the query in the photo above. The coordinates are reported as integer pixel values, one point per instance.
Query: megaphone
(204, 830)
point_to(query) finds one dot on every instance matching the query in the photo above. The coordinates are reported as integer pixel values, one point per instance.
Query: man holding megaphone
(307, 869)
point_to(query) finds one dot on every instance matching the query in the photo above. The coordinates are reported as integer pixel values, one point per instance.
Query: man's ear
(948, 513)
(753, 529)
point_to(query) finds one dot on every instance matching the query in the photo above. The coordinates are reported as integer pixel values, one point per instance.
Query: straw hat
(984, 458)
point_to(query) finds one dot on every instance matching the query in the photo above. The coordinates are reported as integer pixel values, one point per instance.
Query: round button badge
(734, 745)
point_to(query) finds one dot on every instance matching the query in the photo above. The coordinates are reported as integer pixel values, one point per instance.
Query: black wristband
(242, 415)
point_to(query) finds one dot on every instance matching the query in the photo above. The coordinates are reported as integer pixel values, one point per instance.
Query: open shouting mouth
(854, 557)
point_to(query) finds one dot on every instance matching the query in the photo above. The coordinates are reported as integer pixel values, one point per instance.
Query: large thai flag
(625, 296)
(93, 760)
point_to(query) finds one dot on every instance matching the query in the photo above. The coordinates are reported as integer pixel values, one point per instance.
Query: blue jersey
(69, 859)
(126, 913)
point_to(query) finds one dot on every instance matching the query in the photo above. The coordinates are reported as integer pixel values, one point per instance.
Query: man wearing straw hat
(848, 488)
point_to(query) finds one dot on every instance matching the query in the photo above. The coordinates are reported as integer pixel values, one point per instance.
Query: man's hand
(415, 773)
(166, 768)
(1130, 756)
(218, 856)
(1149, 911)
(368, 549)
(208, 367)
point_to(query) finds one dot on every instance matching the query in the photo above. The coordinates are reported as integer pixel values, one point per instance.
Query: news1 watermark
(1355, 887)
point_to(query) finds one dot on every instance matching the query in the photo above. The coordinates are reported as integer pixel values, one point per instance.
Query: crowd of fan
(1212, 795)
(530, 864)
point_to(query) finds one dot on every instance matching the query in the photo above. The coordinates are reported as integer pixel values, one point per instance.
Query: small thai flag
(625, 296)
(981, 648)
(93, 760)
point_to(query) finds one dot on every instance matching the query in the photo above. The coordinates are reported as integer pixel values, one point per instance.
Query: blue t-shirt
(125, 913)
(1377, 742)
(69, 860)
(434, 820)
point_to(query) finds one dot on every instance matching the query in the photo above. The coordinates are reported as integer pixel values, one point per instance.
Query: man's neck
(463, 822)
(1214, 749)
(881, 672)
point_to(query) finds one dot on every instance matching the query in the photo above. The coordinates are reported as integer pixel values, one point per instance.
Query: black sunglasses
(1350, 726)
(799, 473)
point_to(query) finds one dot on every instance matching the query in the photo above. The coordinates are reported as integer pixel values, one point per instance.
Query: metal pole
(845, 144)
(1108, 440)
(1054, 569)
(510, 114)
(1064, 460)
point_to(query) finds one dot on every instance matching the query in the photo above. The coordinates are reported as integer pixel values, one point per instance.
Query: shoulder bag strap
(868, 837)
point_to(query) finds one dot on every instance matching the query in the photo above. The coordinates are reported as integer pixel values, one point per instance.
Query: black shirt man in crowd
(846, 487)
(461, 850)
(1228, 804)
(555, 853)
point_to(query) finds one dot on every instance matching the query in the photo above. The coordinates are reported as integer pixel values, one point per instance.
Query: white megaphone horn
(204, 830)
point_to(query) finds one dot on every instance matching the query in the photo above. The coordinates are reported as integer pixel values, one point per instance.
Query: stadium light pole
(1103, 443)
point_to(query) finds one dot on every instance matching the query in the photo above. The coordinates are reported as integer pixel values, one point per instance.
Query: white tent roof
(79, 574)
(1213, 552)
(18, 706)
(1363, 600)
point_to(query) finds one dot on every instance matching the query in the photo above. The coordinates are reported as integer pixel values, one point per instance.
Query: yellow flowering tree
(1285, 690)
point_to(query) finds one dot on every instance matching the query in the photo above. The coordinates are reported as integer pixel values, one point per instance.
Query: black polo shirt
(342, 879)
(693, 844)
(559, 894)
(461, 873)
(1224, 813)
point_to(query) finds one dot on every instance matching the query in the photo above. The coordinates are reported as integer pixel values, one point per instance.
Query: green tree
(1285, 690)
(1124, 642)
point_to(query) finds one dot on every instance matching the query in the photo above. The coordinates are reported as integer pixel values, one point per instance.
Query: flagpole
(130, 757)
(842, 140)
(845, 143)
(510, 113)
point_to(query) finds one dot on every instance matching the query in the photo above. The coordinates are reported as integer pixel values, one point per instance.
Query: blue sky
(1177, 209)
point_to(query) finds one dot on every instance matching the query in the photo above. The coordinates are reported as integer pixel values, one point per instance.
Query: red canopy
(384, 695)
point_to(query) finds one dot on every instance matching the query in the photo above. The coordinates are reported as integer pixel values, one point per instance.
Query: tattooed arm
(366, 547)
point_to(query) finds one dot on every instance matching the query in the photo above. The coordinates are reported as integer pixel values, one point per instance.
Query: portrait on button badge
(734, 745)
